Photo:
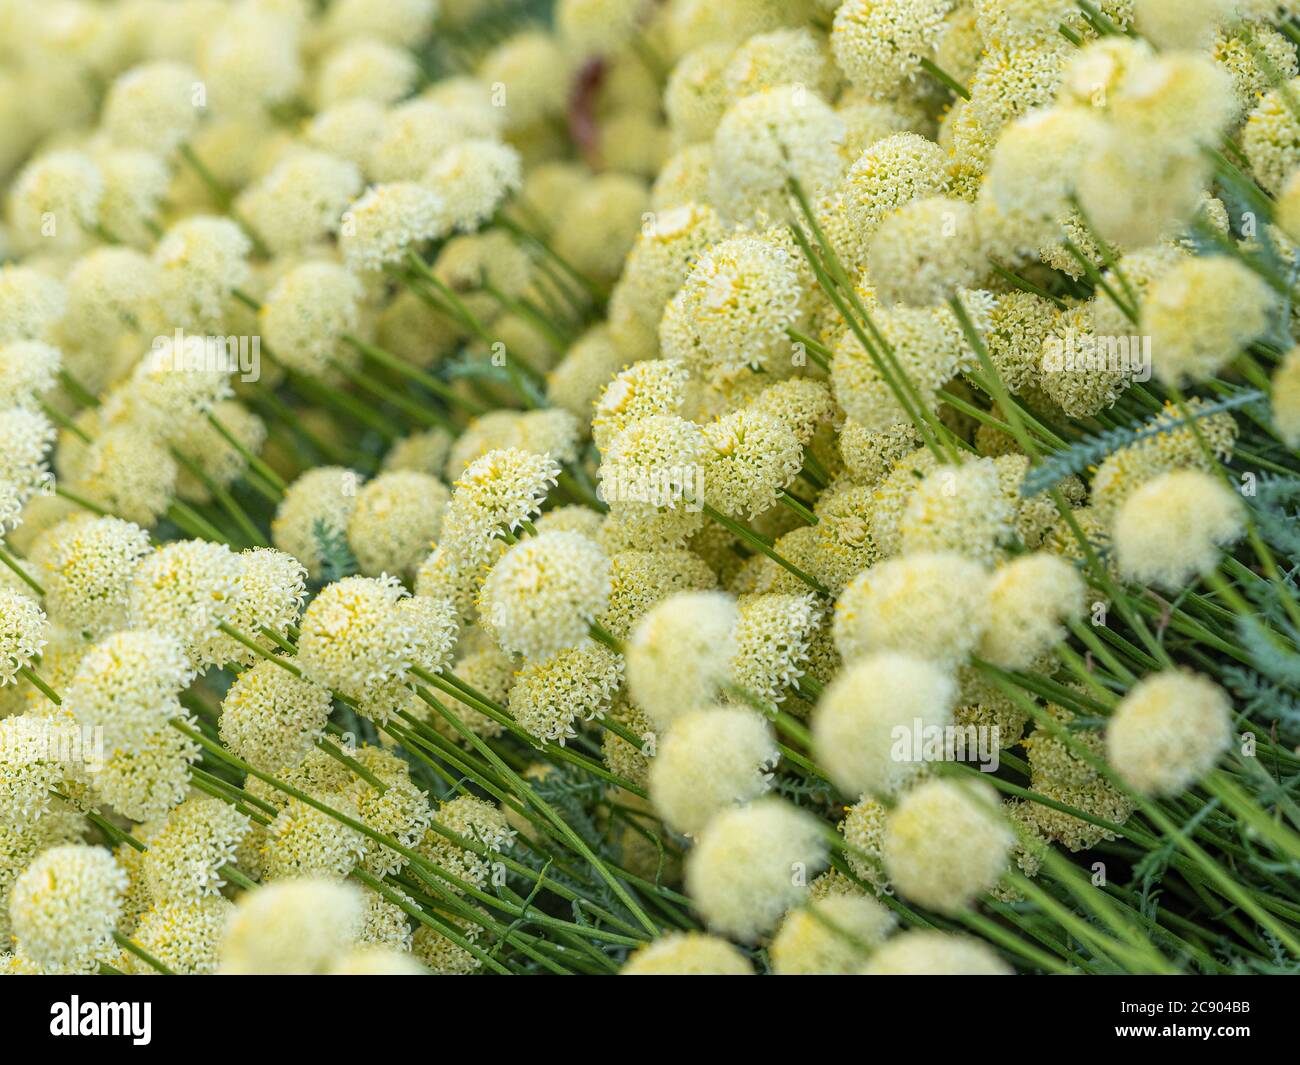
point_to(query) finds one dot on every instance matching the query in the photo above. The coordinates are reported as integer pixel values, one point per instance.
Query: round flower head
(364, 69)
(1201, 313)
(65, 905)
(269, 596)
(1286, 399)
(301, 201)
(629, 759)
(773, 640)
(687, 954)
(683, 178)
(1058, 774)
(505, 487)
(395, 521)
(767, 139)
(872, 705)
(829, 937)
(217, 460)
(353, 638)
(651, 477)
(185, 856)
(306, 315)
(748, 459)
(348, 129)
(387, 221)
(1018, 324)
(932, 605)
(183, 935)
(185, 589)
(1014, 76)
(20, 843)
(697, 94)
(1175, 527)
(467, 264)
(401, 811)
(1029, 598)
(477, 821)
(172, 386)
(642, 390)
(946, 843)
(312, 518)
(544, 592)
(127, 683)
(55, 198)
(879, 44)
(35, 755)
(1031, 178)
(926, 251)
(545, 431)
(750, 864)
(412, 134)
(870, 454)
(710, 760)
(454, 569)
(304, 841)
(424, 452)
(154, 106)
(959, 509)
(1168, 732)
(443, 956)
(795, 56)
(892, 172)
(597, 229)
(537, 432)
(272, 719)
(129, 472)
(1077, 371)
(22, 633)
(928, 345)
(657, 265)
(147, 780)
(30, 303)
(431, 624)
(135, 185)
(25, 438)
(201, 260)
(385, 924)
(928, 953)
(578, 379)
(863, 829)
(679, 652)
(532, 70)
(741, 297)
(642, 578)
(472, 178)
(578, 683)
(296, 927)
(250, 60)
(801, 403)
(1133, 203)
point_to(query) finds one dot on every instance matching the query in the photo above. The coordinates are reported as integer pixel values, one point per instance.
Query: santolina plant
(612, 486)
